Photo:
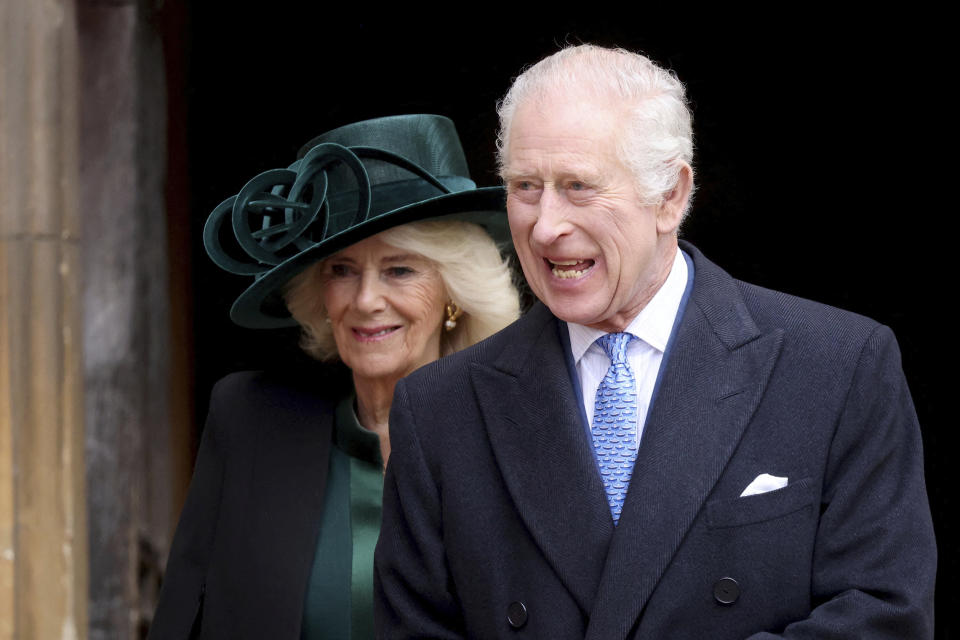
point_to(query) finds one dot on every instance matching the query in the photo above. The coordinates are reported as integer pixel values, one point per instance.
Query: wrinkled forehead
(576, 125)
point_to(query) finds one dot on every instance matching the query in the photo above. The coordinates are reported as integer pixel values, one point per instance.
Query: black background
(820, 155)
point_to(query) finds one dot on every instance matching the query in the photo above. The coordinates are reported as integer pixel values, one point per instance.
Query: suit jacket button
(726, 591)
(517, 614)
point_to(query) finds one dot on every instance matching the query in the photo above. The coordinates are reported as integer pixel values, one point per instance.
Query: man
(657, 450)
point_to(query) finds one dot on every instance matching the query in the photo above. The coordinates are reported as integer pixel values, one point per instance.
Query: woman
(382, 249)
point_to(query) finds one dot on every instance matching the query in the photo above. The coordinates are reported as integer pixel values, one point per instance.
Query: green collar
(351, 437)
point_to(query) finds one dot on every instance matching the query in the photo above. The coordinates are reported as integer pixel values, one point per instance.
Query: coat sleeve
(875, 554)
(181, 598)
(413, 591)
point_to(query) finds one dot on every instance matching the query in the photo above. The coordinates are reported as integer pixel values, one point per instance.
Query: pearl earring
(453, 313)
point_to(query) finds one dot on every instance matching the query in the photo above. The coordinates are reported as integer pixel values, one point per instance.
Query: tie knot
(615, 346)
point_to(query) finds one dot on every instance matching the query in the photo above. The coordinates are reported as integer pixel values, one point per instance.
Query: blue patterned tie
(615, 421)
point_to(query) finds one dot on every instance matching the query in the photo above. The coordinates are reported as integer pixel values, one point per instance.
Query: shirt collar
(654, 322)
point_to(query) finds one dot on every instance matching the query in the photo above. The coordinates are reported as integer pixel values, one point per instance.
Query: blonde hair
(476, 278)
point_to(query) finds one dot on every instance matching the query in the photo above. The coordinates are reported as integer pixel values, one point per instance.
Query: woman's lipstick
(374, 334)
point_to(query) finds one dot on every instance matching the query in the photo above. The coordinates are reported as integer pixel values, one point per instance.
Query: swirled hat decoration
(349, 184)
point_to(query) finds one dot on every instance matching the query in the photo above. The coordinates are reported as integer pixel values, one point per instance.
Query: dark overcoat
(495, 523)
(244, 546)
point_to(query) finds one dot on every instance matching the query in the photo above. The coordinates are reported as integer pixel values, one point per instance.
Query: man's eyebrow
(512, 174)
(584, 174)
(585, 171)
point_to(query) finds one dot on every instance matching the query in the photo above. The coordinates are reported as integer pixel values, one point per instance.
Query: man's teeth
(568, 273)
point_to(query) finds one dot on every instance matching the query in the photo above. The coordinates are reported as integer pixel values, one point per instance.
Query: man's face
(589, 247)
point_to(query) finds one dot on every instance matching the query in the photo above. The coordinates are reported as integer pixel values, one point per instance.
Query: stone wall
(43, 558)
(88, 496)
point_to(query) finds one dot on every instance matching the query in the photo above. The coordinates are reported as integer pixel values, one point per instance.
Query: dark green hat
(347, 185)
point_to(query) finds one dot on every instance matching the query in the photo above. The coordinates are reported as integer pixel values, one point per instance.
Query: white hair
(658, 132)
(477, 279)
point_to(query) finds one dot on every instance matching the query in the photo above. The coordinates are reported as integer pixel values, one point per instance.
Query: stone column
(43, 544)
(127, 344)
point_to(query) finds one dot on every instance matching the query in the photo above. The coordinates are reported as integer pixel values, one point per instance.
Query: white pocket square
(764, 483)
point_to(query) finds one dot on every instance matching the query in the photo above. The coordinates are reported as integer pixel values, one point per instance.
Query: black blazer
(495, 522)
(243, 550)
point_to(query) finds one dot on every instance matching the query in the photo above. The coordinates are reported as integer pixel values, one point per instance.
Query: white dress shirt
(652, 326)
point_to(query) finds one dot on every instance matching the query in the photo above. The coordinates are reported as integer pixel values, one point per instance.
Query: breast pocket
(762, 507)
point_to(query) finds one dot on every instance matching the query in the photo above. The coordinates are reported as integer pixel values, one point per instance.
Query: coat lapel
(530, 411)
(712, 384)
(287, 483)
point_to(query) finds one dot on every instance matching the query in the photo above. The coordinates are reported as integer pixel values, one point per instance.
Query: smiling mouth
(365, 334)
(566, 269)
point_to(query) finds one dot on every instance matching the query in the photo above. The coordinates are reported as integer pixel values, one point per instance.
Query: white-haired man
(657, 450)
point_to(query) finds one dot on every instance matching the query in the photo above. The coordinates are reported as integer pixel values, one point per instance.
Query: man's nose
(370, 295)
(553, 220)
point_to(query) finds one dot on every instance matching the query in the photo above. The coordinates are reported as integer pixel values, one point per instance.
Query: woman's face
(386, 308)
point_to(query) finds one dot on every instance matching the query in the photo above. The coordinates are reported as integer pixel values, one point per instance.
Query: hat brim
(261, 305)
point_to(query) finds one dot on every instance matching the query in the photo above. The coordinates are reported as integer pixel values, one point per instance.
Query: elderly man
(657, 450)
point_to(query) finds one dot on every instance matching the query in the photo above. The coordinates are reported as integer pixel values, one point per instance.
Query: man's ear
(670, 211)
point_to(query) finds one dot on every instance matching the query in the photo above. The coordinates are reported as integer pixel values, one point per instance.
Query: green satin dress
(339, 599)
